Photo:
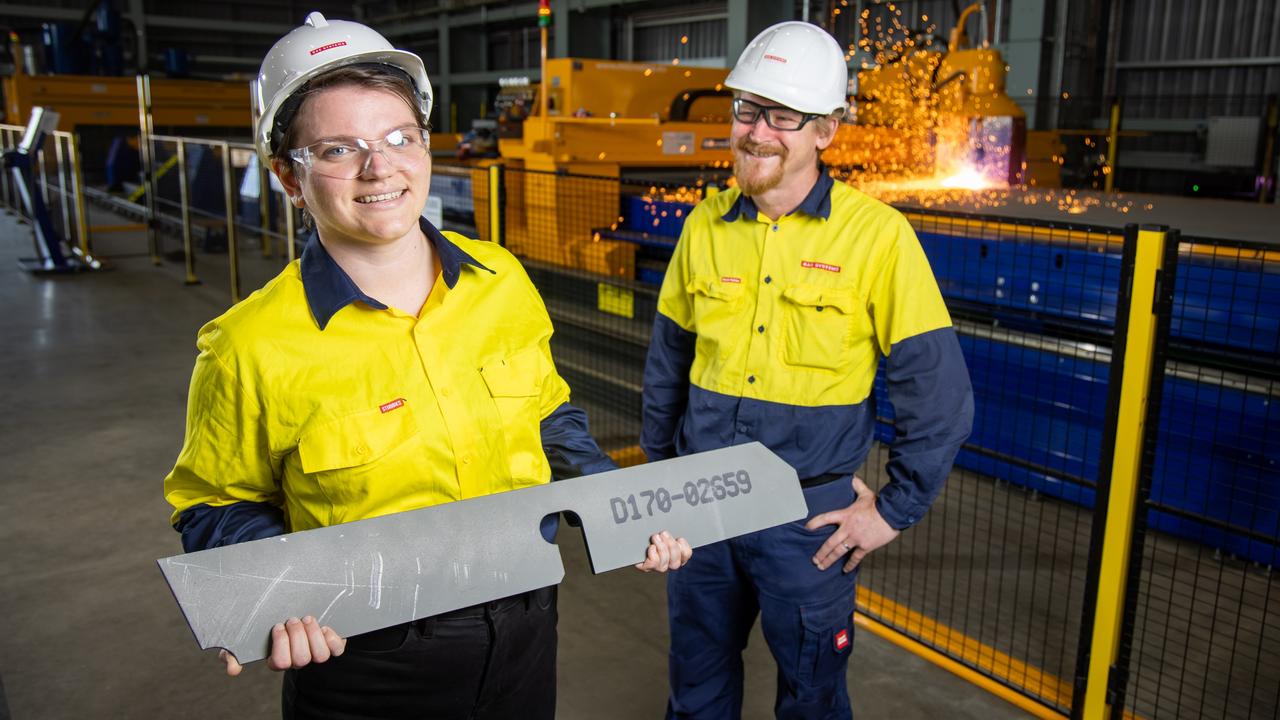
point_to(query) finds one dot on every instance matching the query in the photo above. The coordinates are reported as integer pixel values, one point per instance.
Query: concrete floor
(95, 371)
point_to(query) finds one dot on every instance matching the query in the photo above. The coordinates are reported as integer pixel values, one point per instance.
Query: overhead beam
(171, 21)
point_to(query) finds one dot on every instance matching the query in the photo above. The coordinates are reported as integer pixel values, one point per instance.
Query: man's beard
(752, 183)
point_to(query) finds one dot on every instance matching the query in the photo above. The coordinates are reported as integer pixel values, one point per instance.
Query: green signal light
(1195, 188)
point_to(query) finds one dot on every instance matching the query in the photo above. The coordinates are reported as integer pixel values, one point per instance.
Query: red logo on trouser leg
(842, 640)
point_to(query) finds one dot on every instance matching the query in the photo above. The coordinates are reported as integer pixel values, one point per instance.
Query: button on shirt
(773, 329)
(313, 398)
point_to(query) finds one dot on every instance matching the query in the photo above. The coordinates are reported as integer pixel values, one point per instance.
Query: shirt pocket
(515, 388)
(716, 305)
(345, 456)
(713, 299)
(819, 323)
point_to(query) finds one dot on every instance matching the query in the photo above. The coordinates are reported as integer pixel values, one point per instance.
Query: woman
(392, 367)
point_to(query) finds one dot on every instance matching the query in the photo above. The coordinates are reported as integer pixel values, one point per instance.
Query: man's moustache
(759, 149)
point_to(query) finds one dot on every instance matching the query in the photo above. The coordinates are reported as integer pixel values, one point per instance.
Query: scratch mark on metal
(244, 629)
(375, 582)
(341, 592)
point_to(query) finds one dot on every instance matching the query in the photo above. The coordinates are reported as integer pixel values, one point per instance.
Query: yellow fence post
(148, 164)
(228, 195)
(1113, 142)
(495, 204)
(188, 254)
(77, 193)
(1136, 379)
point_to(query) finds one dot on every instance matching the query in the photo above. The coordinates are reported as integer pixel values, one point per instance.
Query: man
(780, 300)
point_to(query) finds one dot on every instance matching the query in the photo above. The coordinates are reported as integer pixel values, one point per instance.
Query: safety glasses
(348, 158)
(778, 117)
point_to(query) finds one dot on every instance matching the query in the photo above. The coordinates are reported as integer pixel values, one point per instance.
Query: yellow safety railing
(225, 150)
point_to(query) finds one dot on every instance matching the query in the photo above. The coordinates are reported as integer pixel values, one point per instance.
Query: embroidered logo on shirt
(388, 407)
(731, 279)
(819, 266)
(842, 640)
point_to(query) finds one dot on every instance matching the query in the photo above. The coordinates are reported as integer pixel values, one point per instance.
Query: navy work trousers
(486, 662)
(806, 615)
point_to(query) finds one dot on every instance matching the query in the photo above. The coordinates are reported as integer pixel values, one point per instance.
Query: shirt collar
(329, 288)
(816, 204)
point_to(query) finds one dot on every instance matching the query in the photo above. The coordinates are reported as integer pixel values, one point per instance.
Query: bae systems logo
(811, 265)
(388, 407)
(330, 46)
(775, 58)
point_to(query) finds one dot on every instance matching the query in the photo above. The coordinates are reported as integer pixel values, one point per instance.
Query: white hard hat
(316, 47)
(796, 64)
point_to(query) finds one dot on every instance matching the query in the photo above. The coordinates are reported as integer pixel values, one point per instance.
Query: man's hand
(860, 530)
(294, 644)
(665, 553)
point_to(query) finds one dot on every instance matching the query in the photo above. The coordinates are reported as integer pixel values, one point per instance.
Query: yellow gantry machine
(919, 113)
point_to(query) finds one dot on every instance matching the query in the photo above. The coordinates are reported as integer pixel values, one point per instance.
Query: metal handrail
(70, 156)
(228, 177)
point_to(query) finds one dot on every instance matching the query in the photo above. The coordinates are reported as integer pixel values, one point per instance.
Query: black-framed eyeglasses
(778, 117)
(348, 158)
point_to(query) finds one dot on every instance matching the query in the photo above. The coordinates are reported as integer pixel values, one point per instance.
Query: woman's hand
(295, 643)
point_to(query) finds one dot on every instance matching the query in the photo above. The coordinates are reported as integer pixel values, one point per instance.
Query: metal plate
(374, 573)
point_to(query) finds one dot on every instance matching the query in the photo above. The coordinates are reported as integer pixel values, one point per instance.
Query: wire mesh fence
(1206, 621)
(994, 575)
(599, 277)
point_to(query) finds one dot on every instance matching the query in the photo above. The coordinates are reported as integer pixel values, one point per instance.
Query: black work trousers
(486, 662)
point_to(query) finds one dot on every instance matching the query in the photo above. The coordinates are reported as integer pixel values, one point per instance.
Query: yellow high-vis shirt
(315, 399)
(799, 310)
(773, 329)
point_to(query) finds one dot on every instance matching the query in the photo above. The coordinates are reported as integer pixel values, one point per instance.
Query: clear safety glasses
(778, 117)
(347, 158)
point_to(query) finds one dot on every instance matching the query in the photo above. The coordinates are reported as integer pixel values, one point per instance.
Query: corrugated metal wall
(1197, 58)
(1179, 63)
(697, 33)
